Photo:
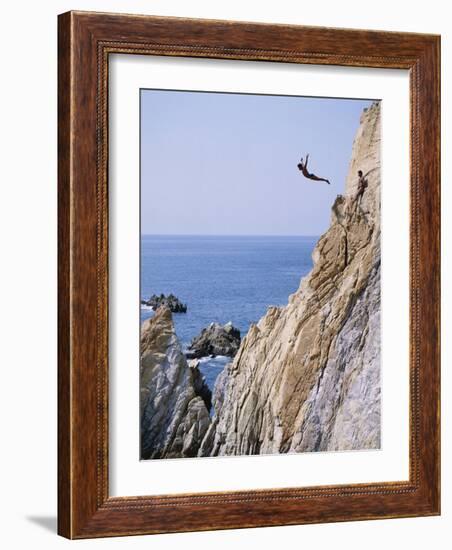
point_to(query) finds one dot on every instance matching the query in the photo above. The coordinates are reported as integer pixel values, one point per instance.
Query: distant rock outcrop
(170, 301)
(307, 376)
(215, 340)
(174, 415)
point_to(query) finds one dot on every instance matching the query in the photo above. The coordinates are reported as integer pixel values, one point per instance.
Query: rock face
(174, 416)
(199, 383)
(215, 340)
(170, 301)
(307, 376)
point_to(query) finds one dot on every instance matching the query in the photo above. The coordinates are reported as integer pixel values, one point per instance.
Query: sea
(222, 279)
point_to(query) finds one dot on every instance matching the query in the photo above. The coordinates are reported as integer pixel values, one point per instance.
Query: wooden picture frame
(85, 42)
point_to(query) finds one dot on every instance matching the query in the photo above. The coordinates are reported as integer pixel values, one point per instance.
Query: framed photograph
(248, 275)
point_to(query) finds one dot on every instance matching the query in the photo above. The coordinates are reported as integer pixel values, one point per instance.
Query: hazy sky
(226, 164)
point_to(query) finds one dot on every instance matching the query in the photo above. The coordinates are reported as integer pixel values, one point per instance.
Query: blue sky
(226, 164)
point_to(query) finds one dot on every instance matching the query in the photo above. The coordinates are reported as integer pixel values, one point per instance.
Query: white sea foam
(219, 358)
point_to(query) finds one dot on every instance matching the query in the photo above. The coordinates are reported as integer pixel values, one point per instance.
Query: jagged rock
(215, 340)
(174, 416)
(210, 444)
(170, 301)
(200, 384)
(307, 376)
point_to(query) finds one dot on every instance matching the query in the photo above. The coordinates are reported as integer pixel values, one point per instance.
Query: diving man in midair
(303, 167)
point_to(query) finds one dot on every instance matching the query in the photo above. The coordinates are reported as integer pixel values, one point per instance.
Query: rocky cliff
(307, 376)
(173, 398)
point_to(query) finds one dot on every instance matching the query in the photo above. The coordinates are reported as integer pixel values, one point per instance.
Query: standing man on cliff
(362, 185)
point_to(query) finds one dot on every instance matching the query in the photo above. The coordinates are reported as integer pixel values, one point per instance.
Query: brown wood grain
(64, 296)
(85, 42)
